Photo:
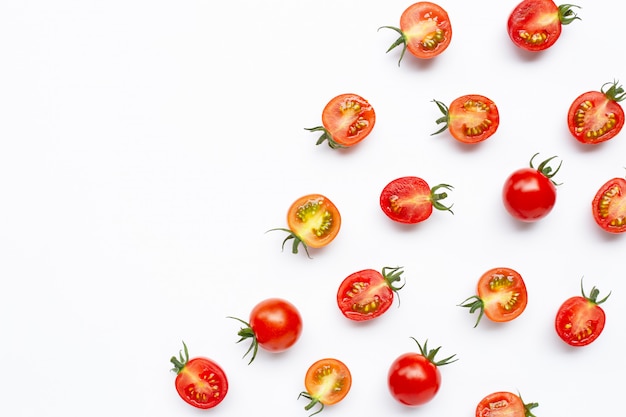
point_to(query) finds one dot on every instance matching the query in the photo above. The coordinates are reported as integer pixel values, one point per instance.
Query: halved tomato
(609, 206)
(597, 116)
(346, 120)
(470, 118)
(367, 294)
(327, 382)
(504, 404)
(411, 200)
(501, 295)
(313, 221)
(424, 30)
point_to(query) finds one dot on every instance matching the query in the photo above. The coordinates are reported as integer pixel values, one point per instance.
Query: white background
(147, 146)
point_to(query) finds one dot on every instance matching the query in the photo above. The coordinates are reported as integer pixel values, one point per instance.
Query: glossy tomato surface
(470, 118)
(367, 294)
(503, 404)
(609, 206)
(580, 320)
(410, 199)
(276, 323)
(501, 295)
(200, 382)
(596, 116)
(327, 381)
(314, 220)
(347, 119)
(535, 25)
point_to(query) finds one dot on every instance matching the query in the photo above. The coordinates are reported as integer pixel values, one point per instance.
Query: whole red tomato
(529, 194)
(275, 325)
(414, 378)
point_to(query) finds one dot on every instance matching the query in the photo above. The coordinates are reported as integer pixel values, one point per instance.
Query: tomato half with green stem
(414, 378)
(275, 325)
(367, 294)
(411, 200)
(609, 206)
(597, 116)
(200, 382)
(425, 30)
(327, 381)
(580, 320)
(535, 25)
(501, 296)
(471, 118)
(504, 404)
(347, 119)
(313, 221)
(529, 194)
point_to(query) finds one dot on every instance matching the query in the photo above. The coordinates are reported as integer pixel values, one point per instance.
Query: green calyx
(296, 241)
(615, 92)
(325, 137)
(180, 362)
(312, 402)
(400, 41)
(391, 276)
(528, 407)
(247, 333)
(566, 14)
(593, 295)
(445, 119)
(436, 197)
(474, 303)
(545, 169)
(430, 354)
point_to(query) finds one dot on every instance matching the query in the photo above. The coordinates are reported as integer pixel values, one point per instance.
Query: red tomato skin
(424, 11)
(501, 404)
(592, 108)
(201, 376)
(276, 323)
(528, 195)
(525, 19)
(415, 191)
(372, 300)
(579, 311)
(609, 206)
(413, 380)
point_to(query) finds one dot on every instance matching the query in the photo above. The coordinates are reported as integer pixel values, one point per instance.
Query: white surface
(146, 147)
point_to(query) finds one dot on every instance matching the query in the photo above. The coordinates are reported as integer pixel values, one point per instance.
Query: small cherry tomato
(410, 200)
(424, 30)
(327, 382)
(275, 325)
(580, 319)
(346, 120)
(529, 194)
(609, 206)
(367, 294)
(535, 25)
(501, 296)
(200, 382)
(313, 221)
(470, 118)
(597, 116)
(504, 404)
(414, 378)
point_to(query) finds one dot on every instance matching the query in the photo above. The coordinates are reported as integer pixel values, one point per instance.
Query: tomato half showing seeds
(346, 120)
(410, 200)
(470, 118)
(535, 25)
(414, 378)
(501, 296)
(313, 221)
(425, 30)
(275, 325)
(529, 194)
(367, 294)
(327, 382)
(504, 404)
(199, 381)
(580, 319)
(597, 116)
(609, 206)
